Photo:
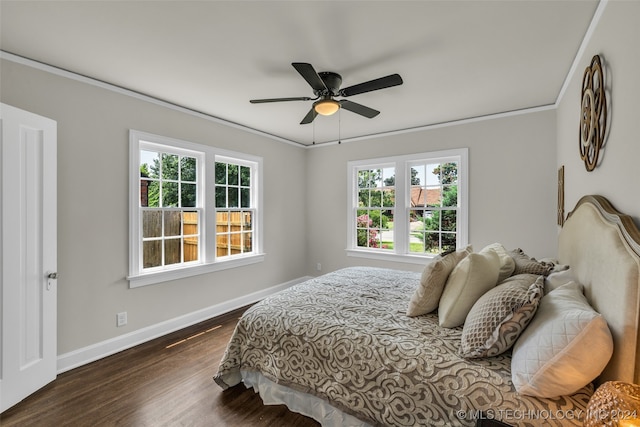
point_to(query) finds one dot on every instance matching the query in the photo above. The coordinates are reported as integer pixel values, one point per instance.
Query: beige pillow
(507, 263)
(472, 277)
(426, 297)
(564, 348)
(499, 316)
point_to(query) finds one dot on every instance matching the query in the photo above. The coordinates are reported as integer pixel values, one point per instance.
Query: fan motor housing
(332, 81)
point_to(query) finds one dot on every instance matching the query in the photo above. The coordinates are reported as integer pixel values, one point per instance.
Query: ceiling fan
(326, 86)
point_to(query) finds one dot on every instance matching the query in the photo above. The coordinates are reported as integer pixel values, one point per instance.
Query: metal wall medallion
(593, 114)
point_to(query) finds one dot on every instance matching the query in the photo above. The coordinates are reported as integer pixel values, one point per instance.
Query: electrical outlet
(121, 319)
(318, 266)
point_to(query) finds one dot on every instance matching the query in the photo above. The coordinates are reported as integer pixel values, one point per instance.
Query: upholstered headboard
(602, 247)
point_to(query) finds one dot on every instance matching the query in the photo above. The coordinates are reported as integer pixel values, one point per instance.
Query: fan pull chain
(313, 142)
(340, 126)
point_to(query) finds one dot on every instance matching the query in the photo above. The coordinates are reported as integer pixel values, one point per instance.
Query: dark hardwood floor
(164, 382)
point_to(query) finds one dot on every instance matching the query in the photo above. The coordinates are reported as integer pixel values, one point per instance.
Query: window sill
(390, 256)
(138, 280)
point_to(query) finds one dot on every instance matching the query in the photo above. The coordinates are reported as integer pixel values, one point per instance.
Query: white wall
(615, 39)
(512, 184)
(93, 126)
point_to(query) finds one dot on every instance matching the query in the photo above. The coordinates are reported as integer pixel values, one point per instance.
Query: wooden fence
(233, 236)
(233, 231)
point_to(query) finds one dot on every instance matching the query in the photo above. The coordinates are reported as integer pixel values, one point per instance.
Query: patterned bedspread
(344, 337)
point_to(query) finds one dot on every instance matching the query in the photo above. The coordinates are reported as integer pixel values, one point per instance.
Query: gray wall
(615, 39)
(512, 184)
(93, 158)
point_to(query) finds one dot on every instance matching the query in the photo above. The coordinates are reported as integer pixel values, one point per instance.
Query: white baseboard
(82, 356)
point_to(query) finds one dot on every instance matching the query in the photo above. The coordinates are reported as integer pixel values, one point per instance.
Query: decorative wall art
(561, 196)
(593, 114)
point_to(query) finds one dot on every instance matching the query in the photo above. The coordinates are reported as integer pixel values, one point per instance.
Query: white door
(28, 257)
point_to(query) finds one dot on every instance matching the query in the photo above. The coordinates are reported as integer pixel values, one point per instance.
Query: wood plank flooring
(164, 382)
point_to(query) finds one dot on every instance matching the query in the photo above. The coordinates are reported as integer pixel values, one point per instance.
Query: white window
(406, 208)
(193, 209)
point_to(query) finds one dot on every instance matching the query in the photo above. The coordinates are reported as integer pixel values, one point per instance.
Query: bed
(341, 349)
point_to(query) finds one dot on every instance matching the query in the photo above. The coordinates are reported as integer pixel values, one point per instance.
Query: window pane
(450, 195)
(188, 195)
(221, 197)
(388, 197)
(153, 194)
(144, 192)
(418, 196)
(221, 173)
(418, 175)
(151, 224)
(449, 173)
(189, 223)
(376, 198)
(375, 219)
(149, 164)
(378, 178)
(245, 197)
(188, 169)
(169, 166)
(432, 243)
(232, 175)
(246, 242)
(449, 220)
(172, 251)
(222, 222)
(448, 242)
(190, 246)
(433, 197)
(170, 194)
(152, 253)
(245, 176)
(432, 174)
(363, 179)
(247, 225)
(363, 198)
(233, 197)
(172, 223)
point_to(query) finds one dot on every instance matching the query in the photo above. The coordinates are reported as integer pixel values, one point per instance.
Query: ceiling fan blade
(381, 83)
(260, 101)
(309, 117)
(354, 107)
(309, 74)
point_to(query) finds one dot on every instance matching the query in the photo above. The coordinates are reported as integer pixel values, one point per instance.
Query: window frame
(207, 262)
(402, 164)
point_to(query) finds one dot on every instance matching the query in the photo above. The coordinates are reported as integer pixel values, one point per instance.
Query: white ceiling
(458, 59)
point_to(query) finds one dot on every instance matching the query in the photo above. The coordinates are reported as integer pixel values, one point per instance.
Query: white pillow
(471, 278)
(507, 263)
(557, 279)
(426, 297)
(564, 348)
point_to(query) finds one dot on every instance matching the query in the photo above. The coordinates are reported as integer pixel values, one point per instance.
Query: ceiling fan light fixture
(326, 107)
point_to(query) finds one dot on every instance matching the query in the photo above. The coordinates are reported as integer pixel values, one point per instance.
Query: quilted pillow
(499, 316)
(526, 264)
(565, 347)
(472, 277)
(426, 297)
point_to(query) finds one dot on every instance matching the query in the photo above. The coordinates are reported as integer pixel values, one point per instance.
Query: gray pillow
(528, 265)
(498, 318)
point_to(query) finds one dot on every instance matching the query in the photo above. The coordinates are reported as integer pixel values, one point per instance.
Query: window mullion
(401, 212)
